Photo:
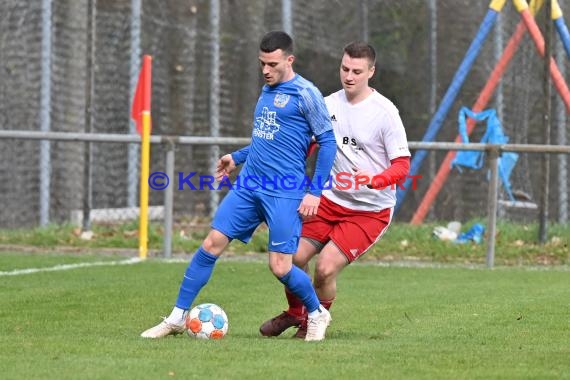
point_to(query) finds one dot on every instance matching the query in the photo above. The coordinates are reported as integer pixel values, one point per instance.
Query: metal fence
(71, 66)
(170, 144)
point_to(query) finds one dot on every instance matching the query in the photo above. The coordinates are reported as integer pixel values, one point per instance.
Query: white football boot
(317, 326)
(164, 329)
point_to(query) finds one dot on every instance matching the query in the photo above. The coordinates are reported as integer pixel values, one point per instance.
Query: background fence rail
(45, 77)
(172, 143)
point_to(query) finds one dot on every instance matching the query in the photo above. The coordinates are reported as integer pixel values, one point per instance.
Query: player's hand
(309, 205)
(224, 167)
(363, 177)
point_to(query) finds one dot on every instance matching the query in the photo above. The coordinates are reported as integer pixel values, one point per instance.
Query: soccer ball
(207, 321)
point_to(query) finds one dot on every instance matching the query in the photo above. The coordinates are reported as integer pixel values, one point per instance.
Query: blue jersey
(286, 116)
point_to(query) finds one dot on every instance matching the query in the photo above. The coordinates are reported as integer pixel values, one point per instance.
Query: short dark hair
(276, 40)
(360, 49)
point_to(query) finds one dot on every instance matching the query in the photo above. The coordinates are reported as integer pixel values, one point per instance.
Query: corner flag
(141, 115)
(141, 100)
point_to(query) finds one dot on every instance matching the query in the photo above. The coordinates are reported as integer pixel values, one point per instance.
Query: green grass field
(388, 322)
(516, 244)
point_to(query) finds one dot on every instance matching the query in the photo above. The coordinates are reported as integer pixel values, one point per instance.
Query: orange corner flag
(141, 100)
(141, 115)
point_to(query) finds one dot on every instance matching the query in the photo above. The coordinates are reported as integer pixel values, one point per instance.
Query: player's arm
(315, 110)
(396, 173)
(227, 163)
(239, 156)
(327, 152)
(325, 159)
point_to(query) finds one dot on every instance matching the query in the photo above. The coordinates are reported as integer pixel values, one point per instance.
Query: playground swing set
(469, 116)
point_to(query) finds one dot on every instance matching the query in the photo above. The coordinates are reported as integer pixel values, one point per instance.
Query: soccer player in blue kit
(289, 111)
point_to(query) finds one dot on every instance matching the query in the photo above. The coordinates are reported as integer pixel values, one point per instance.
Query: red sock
(327, 303)
(296, 306)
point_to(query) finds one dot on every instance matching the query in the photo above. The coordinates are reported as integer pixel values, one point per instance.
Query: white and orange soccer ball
(207, 321)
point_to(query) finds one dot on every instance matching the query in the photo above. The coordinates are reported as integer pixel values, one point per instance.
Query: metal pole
(287, 16)
(186, 140)
(169, 200)
(432, 42)
(560, 113)
(214, 94)
(45, 118)
(432, 5)
(133, 152)
(498, 48)
(492, 205)
(241, 141)
(89, 87)
(543, 223)
(364, 20)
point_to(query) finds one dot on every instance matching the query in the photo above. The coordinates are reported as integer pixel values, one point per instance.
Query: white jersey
(368, 135)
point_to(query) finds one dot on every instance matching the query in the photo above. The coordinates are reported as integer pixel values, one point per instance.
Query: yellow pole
(534, 5)
(144, 190)
(556, 10)
(520, 5)
(497, 5)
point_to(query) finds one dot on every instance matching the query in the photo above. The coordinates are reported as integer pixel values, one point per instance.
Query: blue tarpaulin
(493, 135)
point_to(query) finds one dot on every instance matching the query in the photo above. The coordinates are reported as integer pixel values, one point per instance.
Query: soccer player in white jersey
(289, 111)
(372, 156)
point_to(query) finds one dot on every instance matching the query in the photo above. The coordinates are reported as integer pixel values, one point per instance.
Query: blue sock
(197, 275)
(299, 283)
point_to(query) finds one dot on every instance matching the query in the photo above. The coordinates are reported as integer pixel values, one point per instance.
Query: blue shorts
(241, 212)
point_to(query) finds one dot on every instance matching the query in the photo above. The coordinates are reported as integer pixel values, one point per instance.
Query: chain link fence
(44, 47)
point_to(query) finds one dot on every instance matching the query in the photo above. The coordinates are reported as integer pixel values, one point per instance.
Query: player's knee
(301, 262)
(324, 272)
(280, 264)
(279, 269)
(209, 244)
(215, 242)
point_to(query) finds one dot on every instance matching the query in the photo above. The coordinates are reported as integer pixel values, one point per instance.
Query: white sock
(176, 317)
(315, 313)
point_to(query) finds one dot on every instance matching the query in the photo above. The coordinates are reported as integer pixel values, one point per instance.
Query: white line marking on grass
(18, 272)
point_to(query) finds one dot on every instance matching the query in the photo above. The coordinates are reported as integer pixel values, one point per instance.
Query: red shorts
(353, 231)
